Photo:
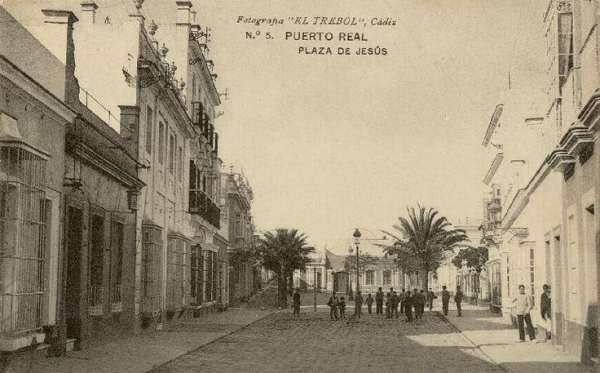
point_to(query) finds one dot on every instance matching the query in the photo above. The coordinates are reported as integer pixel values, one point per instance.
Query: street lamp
(356, 236)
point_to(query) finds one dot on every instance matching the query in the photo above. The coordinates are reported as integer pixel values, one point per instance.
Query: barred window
(23, 217)
(387, 277)
(117, 265)
(176, 273)
(149, 129)
(197, 275)
(151, 249)
(370, 277)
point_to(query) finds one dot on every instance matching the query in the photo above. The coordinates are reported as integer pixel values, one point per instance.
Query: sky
(330, 143)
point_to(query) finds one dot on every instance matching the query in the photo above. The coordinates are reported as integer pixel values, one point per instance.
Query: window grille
(370, 277)
(23, 233)
(565, 46)
(387, 277)
(149, 129)
(161, 142)
(117, 270)
(177, 269)
(152, 245)
(197, 275)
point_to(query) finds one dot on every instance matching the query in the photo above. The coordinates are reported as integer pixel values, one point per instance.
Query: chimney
(184, 8)
(59, 40)
(88, 11)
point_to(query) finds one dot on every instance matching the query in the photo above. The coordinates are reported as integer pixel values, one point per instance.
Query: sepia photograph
(299, 186)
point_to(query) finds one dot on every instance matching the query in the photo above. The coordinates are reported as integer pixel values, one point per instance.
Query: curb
(472, 342)
(196, 348)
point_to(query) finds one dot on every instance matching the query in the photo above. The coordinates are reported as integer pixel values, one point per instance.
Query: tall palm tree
(422, 239)
(283, 251)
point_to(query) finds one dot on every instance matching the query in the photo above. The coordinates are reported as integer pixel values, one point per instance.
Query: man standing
(523, 305)
(379, 302)
(415, 302)
(369, 302)
(422, 301)
(430, 297)
(458, 298)
(388, 305)
(358, 301)
(546, 310)
(408, 306)
(333, 305)
(395, 302)
(296, 303)
(402, 300)
(445, 300)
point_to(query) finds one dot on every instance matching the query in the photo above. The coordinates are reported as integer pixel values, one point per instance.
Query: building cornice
(496, 162)
(493, 124)
(18, 77)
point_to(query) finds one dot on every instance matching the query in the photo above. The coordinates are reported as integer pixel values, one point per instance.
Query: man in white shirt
(523, 303)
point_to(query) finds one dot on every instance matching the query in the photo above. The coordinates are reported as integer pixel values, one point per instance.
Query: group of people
(523, 304)
(407, 303)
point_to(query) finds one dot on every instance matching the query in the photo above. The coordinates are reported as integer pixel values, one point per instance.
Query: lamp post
(356, 236)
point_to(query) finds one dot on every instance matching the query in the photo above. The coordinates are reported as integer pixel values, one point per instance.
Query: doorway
(73, 275)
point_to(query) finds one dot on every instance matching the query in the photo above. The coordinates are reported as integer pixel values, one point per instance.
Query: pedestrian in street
(358, 301)
(369, 302)
(408, 306)
(296, 302)
(402, 300)
(546, 310)
(430, 297)
(342, 307)
(422, 301)
(445, 300)
(458, 298)
(388, 305)
(379, 301)
(333, 306)
(415, 303)
(523, 303)
(395, 302)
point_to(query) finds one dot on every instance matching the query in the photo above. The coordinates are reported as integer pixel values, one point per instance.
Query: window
(210, 276)
(387, 277)
(197, 275)
(532, 271)
(180, 164)
(370, 277)
(23, 218)
(565, 46)
(151, 253)
(96, 265)
(161, 143)
(149, 129)
(176, 270)
(117, 263)
(172, 154)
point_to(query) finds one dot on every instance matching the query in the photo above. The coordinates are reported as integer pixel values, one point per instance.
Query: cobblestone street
(313, 343)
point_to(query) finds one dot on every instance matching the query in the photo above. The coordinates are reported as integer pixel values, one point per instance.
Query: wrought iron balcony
(203, 206)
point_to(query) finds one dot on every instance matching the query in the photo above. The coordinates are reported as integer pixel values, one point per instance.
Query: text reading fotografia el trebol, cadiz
(318, 21)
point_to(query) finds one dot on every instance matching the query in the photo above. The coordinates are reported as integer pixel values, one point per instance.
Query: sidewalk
(499, 341)
(143, 352)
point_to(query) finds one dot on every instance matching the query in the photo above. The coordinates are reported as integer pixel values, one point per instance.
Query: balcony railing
(202, 205)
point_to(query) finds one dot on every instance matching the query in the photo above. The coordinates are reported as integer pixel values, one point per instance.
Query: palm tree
(283, 251)
(423, 240)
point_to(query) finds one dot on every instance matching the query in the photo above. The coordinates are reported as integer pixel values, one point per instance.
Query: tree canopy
(474, 258)
(283, 251)
(421, 240)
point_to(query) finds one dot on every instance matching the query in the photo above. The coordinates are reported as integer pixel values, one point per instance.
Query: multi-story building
(574, 260)
(511, 228)
(244, 277)
(166, 125)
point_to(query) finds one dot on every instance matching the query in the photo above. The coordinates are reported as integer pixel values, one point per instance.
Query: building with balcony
(574, 256)
(244, 277)
(162, 106)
